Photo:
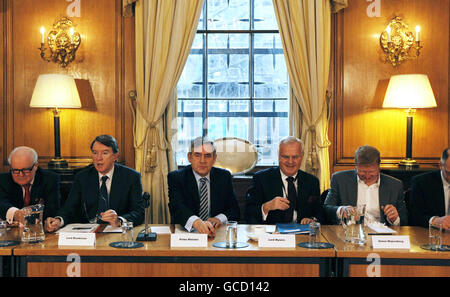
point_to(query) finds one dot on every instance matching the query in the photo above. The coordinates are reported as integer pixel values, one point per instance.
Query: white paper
(188, 240)
(277, 240)
(111, 229)
(271, 228)
(160, 229)
(76, 239)
(79, 228)
(390, 242)
(381, 228)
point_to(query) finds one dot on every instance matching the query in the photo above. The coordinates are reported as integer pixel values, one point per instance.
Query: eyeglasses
(23, 170)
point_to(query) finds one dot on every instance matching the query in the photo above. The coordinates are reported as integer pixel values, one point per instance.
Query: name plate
(188, 240)
(77, 239)
(277, 241)
(391, 242)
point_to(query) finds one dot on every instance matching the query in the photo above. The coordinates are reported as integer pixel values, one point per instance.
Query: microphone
(144, 235)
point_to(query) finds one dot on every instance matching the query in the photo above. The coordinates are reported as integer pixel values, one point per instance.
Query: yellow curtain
(165, 30)
(305, 27)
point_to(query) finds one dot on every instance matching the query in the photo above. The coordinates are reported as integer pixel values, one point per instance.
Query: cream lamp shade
(409, 91)
(55, 91)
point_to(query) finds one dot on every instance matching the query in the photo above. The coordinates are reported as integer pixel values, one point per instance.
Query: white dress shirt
(285, 187)
(221, 217)
(370, 196)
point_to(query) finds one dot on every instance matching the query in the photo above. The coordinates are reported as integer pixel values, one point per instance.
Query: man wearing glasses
(106, 192)
(430, 195)
(382, 194)
(27, 184)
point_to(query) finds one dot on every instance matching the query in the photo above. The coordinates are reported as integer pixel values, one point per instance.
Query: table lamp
(56, 91)
(409, 91)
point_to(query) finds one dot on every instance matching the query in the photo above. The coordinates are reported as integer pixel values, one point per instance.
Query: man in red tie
(27, 184)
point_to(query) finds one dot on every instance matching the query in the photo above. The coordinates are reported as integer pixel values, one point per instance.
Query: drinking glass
(435, 236)
(231, 234)
(314, 234)
(127, 234)
(33, 230)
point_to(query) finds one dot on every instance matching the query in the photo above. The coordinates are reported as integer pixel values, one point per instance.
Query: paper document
(380, 228)
(79, 228)
(111, 229)
(160, 229)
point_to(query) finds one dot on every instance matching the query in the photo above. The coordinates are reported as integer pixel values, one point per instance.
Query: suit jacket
(125, 196)
(184, 198)
(426, 198)
(45, 190)
(267, 184)
(344, 191)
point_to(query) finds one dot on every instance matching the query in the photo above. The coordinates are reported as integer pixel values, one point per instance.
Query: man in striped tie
(201, 197)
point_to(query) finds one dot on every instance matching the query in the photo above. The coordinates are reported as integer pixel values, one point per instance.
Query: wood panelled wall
(360, 78)
(103, 69)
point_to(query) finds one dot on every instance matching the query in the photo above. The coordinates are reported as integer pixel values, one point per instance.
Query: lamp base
(58, 163)
(408, 163)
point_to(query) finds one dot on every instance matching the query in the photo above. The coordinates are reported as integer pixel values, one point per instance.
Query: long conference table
(158, 259)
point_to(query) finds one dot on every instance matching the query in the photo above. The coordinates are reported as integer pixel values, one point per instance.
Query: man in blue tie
(201, 197)
(105, 192)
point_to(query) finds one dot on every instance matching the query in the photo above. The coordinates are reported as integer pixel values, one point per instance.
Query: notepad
(379, 229)
(79, 228)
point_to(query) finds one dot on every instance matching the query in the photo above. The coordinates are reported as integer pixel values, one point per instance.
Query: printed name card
(277, 241)
(391, 242)
(77, 239)
(188, 240)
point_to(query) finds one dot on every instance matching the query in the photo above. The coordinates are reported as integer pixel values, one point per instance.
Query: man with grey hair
(430, 192)
(284, 194)
(201, 197)
(27, 184)
(382, 194)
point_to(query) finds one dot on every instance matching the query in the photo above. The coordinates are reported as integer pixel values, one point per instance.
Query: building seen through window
(235, 81)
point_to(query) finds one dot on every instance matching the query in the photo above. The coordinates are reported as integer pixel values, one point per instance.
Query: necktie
(203, 199)
(27, 197)
(292, 197)
(103, 199)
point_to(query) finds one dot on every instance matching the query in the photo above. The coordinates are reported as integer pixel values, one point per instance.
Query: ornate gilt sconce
(398, 43)
(63, 42)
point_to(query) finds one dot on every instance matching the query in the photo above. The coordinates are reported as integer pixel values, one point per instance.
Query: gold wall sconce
(398, 43)
(63, 42)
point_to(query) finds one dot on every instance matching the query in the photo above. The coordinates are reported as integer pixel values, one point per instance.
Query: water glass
(3, 227)
(127, 233)
(435, 236)
(314, 233)
(231, 234)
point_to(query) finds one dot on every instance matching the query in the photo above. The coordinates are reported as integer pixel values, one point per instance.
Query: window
(235, 81)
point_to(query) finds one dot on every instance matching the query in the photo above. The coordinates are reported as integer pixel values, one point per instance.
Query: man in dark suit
(105, 192)
(27, 184)
(201, 196)
(429, 196)
(284, 194)
(382, 194)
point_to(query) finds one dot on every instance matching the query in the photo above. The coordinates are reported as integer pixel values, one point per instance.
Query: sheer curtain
(305, 29)
(165, 30)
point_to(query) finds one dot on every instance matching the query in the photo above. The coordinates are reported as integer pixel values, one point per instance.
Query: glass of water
(231, 234)
(435, 236)
(314, 234)
(127, 233)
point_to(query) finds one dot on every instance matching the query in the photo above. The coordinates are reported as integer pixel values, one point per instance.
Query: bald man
(27, 184)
